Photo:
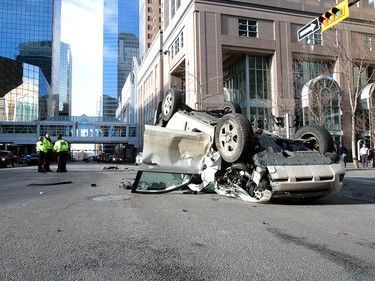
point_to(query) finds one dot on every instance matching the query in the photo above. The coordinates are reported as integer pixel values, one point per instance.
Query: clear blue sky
(82, 29)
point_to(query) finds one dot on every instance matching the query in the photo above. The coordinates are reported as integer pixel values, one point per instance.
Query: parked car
(31, 159)
(103, 158)
(6, 158)
(138, 159)
(220, 150)
(115, 159)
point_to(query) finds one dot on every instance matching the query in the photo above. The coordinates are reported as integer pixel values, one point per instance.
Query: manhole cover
(112, 198)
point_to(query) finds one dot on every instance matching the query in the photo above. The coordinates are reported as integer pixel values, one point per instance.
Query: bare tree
(354, 63)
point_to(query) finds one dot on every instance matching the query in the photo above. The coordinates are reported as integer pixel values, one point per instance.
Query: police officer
(49, 146)
(41, 149)
(61, 147)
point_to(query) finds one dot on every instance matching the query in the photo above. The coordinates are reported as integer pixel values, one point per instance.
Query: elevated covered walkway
(76, 130)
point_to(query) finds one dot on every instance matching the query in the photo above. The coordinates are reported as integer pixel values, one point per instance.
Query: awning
(365, 95)
(325, 81)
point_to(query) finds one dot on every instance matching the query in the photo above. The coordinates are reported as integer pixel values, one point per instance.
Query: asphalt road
(81, 226)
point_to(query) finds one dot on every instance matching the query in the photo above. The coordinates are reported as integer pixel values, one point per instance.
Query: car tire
(322, 139)
(234, 137)
(230, 107)
(171, 103)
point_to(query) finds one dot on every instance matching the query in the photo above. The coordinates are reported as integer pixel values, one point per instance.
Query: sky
(82, 29)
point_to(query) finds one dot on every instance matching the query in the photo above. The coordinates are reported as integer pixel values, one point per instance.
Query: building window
(314, 39)
(370, 42)
(132, 131)
(175, 5)
(368, 4)
(248, 28)
(249, 85)
(177, 45)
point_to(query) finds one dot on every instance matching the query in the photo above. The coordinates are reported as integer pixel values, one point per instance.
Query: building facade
(120, 22)
(149, 23)
(65, 90)
(34, 52)
(248, 52)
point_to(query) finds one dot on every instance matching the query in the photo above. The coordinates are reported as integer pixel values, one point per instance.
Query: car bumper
(306, 181)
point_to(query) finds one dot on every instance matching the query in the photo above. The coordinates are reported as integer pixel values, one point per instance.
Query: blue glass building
(121, 33)
(29, 59)
(65, 92)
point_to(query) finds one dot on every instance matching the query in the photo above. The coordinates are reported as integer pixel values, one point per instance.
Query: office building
(128, 48)
(65, 91)
(121, 22)
(149, 23)
(29, 41)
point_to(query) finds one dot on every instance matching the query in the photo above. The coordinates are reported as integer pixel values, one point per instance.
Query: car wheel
(234, 137)
(321, 138)
(230, 107)
(171, 103)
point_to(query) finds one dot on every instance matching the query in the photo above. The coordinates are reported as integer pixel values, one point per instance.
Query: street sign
(308, 29)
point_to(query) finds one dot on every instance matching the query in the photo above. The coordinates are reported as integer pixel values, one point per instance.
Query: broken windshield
(157, 182)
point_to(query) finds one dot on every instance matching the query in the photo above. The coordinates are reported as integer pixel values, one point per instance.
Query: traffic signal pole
(352, 2)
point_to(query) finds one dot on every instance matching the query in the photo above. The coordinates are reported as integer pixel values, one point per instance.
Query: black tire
(171, 103)
(230, 107)
(234, 137)
(322, 139)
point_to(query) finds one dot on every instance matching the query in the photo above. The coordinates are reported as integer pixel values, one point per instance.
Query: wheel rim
(229, 137)
(167, 106)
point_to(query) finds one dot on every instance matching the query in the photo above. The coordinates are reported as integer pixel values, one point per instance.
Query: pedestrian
(61, 147)
(336, 148)
(364, 153)
(336, 152)
(41, 150)
(370, 155)
(343, 153)
(49, 145)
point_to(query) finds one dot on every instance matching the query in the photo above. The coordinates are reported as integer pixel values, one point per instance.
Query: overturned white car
(220, 150)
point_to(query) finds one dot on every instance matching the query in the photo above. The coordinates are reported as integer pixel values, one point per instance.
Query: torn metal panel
(175, 148)
(239, 193)
(209, 166)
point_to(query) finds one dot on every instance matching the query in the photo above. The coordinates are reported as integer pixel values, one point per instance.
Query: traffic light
(334, 16)
(280, 122)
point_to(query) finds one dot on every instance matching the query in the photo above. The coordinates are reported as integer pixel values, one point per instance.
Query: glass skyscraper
(121, 33)
(65, 93)
(29, 59)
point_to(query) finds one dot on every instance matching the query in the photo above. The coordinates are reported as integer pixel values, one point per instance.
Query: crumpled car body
(218, 152)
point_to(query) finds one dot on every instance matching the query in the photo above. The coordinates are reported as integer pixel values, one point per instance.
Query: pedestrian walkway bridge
(76, 130)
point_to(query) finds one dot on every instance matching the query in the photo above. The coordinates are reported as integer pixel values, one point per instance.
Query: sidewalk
(350, 166)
